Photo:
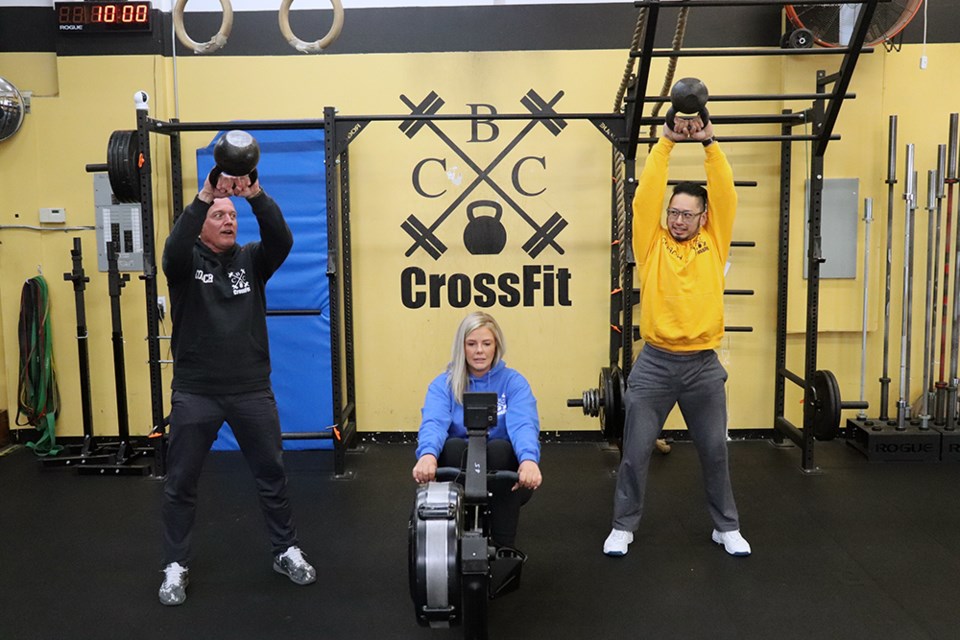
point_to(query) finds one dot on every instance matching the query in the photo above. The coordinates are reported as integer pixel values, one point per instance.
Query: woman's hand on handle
(530, 476)
(426, 468)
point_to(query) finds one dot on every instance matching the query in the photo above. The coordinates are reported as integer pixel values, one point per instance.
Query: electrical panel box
(119, 222)
(838, 227)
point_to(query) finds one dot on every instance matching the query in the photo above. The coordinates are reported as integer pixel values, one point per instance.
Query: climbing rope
(619, 165)
(671, 65)
(38, 399)
(634, 43)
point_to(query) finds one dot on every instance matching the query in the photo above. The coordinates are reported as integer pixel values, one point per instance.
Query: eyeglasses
(686, 215)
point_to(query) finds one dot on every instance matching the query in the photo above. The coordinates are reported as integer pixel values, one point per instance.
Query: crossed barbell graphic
(424, 236)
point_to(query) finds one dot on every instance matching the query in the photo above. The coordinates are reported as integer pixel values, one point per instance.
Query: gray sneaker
(292, 564)
(173, 591)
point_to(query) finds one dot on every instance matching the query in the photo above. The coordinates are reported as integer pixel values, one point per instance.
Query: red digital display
(103, 17)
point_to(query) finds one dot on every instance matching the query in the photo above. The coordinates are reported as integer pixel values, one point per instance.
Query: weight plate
(801, 39)
(826, 419)
(123, 156)
(611, 404)
(133, 164)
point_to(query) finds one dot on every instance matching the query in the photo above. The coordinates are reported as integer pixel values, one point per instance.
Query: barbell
(606, 401)
(236, 153)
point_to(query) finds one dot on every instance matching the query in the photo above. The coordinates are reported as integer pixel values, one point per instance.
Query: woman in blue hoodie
(476, 365)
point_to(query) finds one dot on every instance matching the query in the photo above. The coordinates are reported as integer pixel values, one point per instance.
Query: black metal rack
(343, 430)
(339, 131)
(828, 97)
(622, 130)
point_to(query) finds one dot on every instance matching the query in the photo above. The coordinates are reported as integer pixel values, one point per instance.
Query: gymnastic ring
(317, 45)
(214, 43)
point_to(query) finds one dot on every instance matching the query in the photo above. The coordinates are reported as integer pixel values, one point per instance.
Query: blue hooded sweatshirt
(517, 419)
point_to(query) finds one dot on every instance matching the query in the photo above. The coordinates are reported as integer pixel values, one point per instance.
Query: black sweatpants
(195, 420)
(504, 503)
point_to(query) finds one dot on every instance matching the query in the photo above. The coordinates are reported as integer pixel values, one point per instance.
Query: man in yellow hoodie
(681, 269)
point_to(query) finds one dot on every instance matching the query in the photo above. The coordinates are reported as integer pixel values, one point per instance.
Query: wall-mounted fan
(831, 25)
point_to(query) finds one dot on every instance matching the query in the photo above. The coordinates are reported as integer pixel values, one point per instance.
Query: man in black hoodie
(222, 368)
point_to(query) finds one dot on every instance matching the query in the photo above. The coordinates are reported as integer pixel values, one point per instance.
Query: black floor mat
(864, 550)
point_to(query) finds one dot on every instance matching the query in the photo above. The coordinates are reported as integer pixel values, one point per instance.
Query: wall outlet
(53, 214)
(162, 306)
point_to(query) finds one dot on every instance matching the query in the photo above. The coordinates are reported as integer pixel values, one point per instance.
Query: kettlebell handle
(497, 208)
(216, 172)
(703, 114)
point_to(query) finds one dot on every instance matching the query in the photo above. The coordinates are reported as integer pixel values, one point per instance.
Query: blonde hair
(457, 369)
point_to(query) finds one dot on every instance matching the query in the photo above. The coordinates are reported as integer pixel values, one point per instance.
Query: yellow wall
(78, 102)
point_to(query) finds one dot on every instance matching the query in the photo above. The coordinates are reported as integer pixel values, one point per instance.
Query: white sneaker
(292, 564)
(173, 591)
(732, 541)
(617, 542)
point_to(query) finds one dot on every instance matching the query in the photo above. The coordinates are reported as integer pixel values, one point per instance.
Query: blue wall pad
(291, 170)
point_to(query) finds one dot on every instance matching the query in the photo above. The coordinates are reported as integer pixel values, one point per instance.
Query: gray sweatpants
(658, 381)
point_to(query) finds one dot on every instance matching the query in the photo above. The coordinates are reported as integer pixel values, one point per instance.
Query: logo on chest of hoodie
(238, 280)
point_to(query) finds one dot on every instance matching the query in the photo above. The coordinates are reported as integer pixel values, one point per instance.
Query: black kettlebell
(236, 154)
(688, 99)
(484, 235)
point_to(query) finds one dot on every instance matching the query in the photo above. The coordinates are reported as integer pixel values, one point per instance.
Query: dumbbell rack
(827, 100)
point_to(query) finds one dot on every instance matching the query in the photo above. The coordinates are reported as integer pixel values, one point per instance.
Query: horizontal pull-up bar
(161, 126)
(736, 183)
(798, 138)
(766, 51)
(759, 97)
(795, 117)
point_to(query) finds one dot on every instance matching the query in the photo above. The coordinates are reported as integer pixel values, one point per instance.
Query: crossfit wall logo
(483, 231)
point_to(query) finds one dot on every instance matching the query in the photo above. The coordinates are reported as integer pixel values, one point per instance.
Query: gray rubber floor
(864, 550)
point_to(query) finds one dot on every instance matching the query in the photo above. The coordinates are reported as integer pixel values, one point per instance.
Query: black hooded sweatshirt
(218, 305)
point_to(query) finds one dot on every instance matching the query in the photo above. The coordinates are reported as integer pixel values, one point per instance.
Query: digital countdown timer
(103, 17)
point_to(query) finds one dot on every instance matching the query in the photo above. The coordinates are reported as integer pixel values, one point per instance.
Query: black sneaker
(292, 564)
(173, 591)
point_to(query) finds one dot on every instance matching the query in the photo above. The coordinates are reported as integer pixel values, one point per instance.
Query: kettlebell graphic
(484, 235)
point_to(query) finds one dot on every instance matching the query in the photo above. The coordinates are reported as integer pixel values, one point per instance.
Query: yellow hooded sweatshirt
(681, 283)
